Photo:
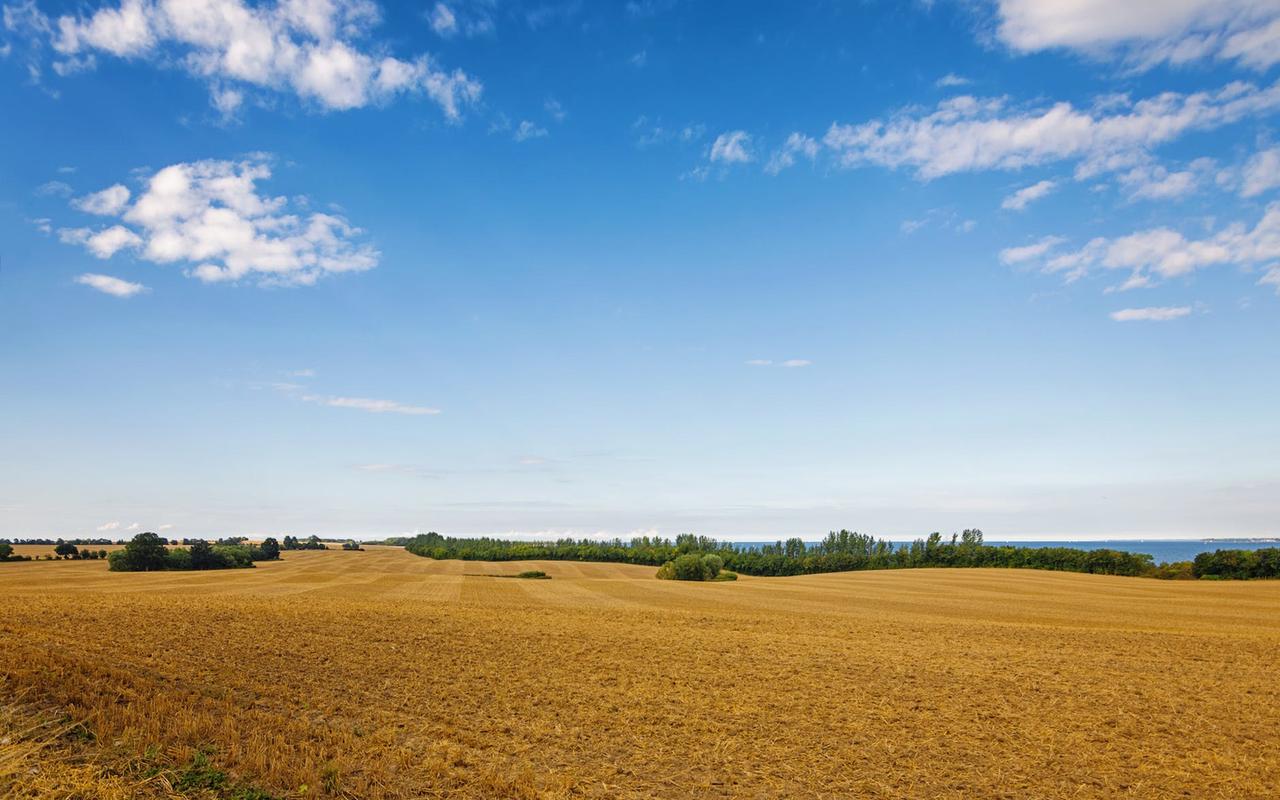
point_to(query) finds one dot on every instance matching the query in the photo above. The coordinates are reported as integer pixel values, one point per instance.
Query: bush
(726, 575)
(535, 574)
(1174, 571)
(177, 558)
(692, 567)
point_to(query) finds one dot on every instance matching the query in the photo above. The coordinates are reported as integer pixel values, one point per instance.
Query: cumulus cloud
(1157, 254)
(317, 50)
(951, 80)
(1027, 195)
(210, 217)
(732, 147)
(797, 144)
(370, 405)
(116, 287)
(1150, 314)
(964, 134)
(1146, 32)
(107, 203)
(1261, 173)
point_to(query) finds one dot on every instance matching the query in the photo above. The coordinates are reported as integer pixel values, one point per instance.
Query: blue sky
(751, 270)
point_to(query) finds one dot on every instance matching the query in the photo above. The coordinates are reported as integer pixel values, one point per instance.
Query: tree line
(1238, 564)
(147, 552)
(839, 551)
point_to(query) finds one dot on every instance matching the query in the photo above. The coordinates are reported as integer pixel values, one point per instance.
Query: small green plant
(726, 575)
(534, 574)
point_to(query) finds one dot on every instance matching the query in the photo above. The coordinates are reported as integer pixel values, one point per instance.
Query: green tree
(65, 549)
(144, 553)
(202, 556)
(6, 550)
(270, 549)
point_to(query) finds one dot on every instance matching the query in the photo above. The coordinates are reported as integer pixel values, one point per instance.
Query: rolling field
(383, 675)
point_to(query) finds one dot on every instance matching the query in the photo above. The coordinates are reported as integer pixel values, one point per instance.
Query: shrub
(6, 550)
(535, 574)
(177, 558)
(1175, 571)
(726, 575)
(691, 567)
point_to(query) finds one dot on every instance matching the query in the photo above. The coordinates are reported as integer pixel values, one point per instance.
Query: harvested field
(379, 674)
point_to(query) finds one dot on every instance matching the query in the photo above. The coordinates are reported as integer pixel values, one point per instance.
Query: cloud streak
(107, 284)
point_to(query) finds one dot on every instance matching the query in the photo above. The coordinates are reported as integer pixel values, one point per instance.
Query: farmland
(380, 674)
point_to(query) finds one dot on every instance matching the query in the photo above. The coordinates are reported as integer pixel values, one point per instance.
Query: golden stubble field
(384, 675)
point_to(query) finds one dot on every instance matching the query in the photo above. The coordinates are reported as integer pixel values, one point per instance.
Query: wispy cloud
(1150, 314)
(370, 405)
(1027, 195)
(790, 363)
(966, 134)
(733, 147)
(107, 284)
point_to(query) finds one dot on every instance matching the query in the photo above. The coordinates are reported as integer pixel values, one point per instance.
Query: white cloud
(54, 189)
(443, 21)
(303, 373)
(797, 362)
(1146, 32)
(104, 243)
(965, 133)
(791, 363)
(1158, 254)
(1261, 173)
(109, 526)
(370, 405)
(116, 287)
(759, 362)
(1150, 314)
(165, 527)
(1027, 195)
(951, 79)
(1149, 181)
(528, 130)
(1271, 278)
(732, 147)
(209, 216)
(1020, 255)
(797, 144)
(910, 226)
(554, 108)
(108, 203)
(315, 49)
